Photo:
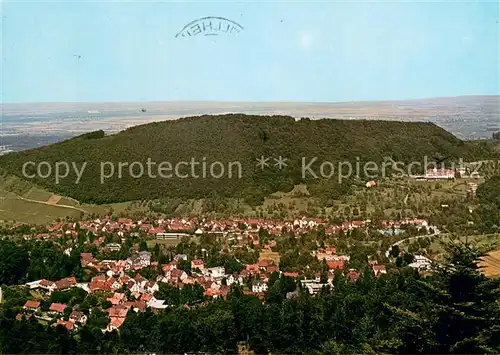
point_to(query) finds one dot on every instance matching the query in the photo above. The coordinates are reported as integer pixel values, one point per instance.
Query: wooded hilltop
(234, 138)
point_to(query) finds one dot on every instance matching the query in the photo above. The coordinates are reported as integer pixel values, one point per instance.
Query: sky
(287, 51)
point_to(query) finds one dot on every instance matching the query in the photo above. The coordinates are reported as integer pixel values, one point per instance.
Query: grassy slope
(22, 202)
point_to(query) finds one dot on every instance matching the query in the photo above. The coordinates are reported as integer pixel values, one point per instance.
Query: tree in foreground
(458, 311)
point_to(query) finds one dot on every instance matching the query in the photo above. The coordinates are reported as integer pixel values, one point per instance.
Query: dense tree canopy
(454, 310)
(488, 194)
(14, 262)
(34, 260)
(233, 138)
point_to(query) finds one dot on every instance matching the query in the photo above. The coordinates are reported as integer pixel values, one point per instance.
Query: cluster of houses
(315, 285)
(137, 293)
(440, 174)
(176, 228)
(128, 291)
(56, 312)
(113, 279)
(447, 174)
(333, 260)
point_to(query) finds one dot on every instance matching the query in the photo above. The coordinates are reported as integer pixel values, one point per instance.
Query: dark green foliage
(92, 135)
(235, 138)
(231, 266)
(35, 260)
(489, 191)
(14, 262)
(395, 251)
(14, 296)
(71, 297)
(189, 294)
(48, 262)
(455, 310)
(488, 195)
(30, 337)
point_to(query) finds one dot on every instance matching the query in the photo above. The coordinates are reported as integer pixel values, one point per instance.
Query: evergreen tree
(456, 310)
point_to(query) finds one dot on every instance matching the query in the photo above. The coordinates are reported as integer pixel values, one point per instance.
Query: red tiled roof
(67, 324)
(65, 283)
(46, 283)
(353, 275)
(117, 321)
(272, 268)
(336, 264)
(31, 304)
(141, 305)
(264, 263)
(118, 311)
(125, 220)
(86, 256)
(57, 307)
(211, 292)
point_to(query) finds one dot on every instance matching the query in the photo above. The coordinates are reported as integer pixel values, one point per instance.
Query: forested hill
(232, 138)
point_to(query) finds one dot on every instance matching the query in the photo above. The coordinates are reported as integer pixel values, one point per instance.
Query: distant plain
(29, 125)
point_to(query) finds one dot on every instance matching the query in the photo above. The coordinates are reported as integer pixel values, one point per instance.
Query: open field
(38, 194)
(54, 199)
(491, 263)
(489, 241)
(23, 203)
(67, 201)
(166, 242)
(13, 208)
(169, 242)
(436, 248)
(389, 195)
(423, 198)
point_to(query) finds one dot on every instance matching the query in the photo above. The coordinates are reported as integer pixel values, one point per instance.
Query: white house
(34, 284)
(420, 262)
(151, 287)
(157, 304)
(259, 286)
(215, 272)
(113, 246)
(78, 317)
(313, 286)
(231, 279)
(145, 258)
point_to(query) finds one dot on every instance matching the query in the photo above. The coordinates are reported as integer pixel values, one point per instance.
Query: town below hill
(108, 278)
(122, 278)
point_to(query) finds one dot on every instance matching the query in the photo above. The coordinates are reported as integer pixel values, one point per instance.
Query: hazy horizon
(468, 117)
(250, 101)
